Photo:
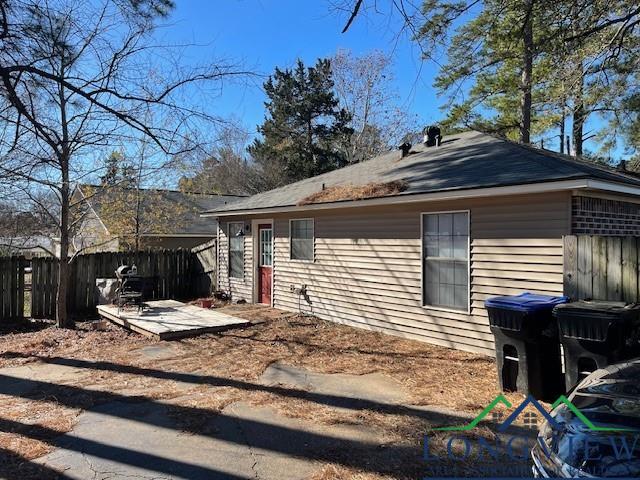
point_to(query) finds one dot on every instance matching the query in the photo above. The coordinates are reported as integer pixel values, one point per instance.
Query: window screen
(236, 250)
(302, 239)
(445, 246)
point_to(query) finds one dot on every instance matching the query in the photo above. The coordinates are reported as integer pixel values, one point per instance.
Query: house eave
(544, 187)
(179, 235)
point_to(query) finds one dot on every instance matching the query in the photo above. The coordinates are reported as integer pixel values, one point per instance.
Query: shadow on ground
(136, 437)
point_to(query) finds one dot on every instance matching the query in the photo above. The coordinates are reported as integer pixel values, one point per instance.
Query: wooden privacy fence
(44, 287)
(601, 268)
(175, 274)
(170, 270)
(12, 283)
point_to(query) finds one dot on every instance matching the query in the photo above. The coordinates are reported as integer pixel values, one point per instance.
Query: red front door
(265, 263)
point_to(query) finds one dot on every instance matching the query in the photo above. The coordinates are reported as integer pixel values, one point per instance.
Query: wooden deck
(169, 319)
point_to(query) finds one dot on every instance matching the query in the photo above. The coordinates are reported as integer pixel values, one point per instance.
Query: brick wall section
(598, 216)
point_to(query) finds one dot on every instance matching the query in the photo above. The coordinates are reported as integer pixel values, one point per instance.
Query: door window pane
(446, 259)
(266, 247)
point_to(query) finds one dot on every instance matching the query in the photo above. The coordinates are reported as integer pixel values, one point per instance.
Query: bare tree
(226, 169)
(365, 89)
(77, 77)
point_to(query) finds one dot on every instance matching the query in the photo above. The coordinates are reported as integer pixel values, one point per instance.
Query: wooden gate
(601, 268)
(12, 283)
(205, 268)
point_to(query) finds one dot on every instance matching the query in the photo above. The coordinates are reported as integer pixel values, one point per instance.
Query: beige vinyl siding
(368, 268)
(239, 288)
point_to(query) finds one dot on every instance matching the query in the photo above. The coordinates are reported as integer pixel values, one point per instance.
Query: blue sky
(264, 34)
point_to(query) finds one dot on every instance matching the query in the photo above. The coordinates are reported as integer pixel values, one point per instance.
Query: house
(475, 217)
(108, 218)
(29, 246)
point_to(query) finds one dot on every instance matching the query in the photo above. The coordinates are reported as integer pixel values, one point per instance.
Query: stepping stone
(373, 387)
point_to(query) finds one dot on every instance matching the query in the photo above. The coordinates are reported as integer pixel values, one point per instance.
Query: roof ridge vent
(432, 136)
(405, 148)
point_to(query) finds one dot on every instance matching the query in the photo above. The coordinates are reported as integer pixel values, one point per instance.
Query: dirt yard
(121, 363)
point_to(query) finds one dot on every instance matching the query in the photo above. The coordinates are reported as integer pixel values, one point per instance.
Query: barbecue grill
(131, 289)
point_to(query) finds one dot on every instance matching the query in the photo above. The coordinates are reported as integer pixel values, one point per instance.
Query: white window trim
(229, 250)
(466, 311)
(313, 239)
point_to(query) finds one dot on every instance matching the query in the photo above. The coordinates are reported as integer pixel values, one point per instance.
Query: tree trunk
(562, 125)
(64, 157)
(527, 73)
(62, 314)
(315, 170)
(137, 218)
(578, 113)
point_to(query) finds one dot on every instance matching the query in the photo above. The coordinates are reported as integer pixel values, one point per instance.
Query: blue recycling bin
(527, 346)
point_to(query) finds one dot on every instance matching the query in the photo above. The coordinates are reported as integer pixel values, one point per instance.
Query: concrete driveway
(228, 407)
(133, 438)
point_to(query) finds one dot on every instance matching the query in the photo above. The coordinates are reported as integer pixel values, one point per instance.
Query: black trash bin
(527, 347)
(595, 334)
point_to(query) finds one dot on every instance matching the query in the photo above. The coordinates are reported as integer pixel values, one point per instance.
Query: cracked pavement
(142, 439)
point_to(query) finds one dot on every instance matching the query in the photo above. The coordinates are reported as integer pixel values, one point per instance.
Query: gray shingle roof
(189, 206)
(463, 161)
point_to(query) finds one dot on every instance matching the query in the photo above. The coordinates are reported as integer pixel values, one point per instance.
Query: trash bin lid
(600, 306)
(525, 302)
(592, 319)
(599, 309)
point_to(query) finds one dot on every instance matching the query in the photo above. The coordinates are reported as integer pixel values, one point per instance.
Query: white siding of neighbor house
(93, 237)
(239, 288)
(368, 268)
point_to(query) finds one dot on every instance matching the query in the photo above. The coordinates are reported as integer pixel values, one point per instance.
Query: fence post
(21, 267)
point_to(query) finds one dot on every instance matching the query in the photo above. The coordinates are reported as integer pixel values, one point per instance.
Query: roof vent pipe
(404, 148)
(432, 136)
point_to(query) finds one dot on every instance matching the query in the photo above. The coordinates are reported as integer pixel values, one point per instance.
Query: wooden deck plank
(170, 319)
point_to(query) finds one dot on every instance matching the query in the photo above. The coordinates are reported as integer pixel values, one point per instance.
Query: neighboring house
(29, 247)
(167, 218)
(479, 216)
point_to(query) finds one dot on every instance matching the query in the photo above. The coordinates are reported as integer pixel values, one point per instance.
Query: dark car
(596, 431)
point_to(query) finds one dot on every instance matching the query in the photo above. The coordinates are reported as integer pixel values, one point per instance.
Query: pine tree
(305, 128)
(492, 60)
(112, 167)
(522, 68)
(119, 172)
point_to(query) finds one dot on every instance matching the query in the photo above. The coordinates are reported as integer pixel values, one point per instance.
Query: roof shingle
(463, 161)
